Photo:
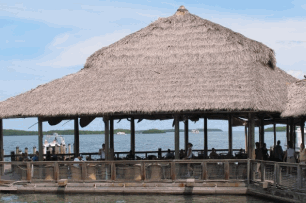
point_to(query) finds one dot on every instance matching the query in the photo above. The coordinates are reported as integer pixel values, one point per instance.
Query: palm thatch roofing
(181, 63)
(296, 105)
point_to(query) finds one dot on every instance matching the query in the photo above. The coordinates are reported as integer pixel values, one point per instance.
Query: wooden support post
(246, 138)
(186, 135)
(1, 140)
(173, 175)
(263, 171)
(288, 132)
(76, 138)
(84, 171)
(133, 137)
(275, 175)
(106, 132)
(291, 134)
(143, 171)
(274, 131)
(302, 130)
(177, 137)
(262, 132)
(204, 170)
(111, 138)
(40, 139)
(299, 177)
(205, 138)
(251, 137)
(230, 134)
(226, 170)
(56, 171)
(249, 171)
(113, 169)
(29, 177)
(294, 137)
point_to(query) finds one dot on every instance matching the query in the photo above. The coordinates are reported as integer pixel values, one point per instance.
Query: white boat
(195, 131)
(52, 141)
(120, 133)
(299, 136)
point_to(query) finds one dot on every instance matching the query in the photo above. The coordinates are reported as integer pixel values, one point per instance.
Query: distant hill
(278, 129)
(10, 132)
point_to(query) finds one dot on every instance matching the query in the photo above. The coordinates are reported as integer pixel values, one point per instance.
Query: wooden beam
(1, 140)
(205, 138)
(287, 131)
(177, 137)
(186, 134)
(40, 139)
(133, 136)
(76, 138)
(106, 136)
(251, 136)
(111, 138)
(230, 134)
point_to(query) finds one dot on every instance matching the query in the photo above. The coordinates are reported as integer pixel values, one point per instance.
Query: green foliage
(278, 129)
(153, 131)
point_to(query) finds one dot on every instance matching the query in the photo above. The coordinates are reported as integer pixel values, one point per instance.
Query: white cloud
(297, 73)
(60, 39)
(77, 53)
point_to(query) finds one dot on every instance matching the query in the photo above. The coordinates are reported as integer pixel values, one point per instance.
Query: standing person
(264, 150)
(302, 154)
(102, 152)
(290, 156)
(278, 151)
(189, 151)
(258, 152)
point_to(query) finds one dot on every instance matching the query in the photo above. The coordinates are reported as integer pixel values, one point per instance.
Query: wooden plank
(173, 175)
(177, 137)
(204, 171)
(40, 139)
(84, 171)
(113, 169)
(76, 138)
(186, 134)
(106, 136)
(262, 132)
(56, 171)
(143, 171)
(111, 133)
(263, 171)
(299, 177)
(205, 138)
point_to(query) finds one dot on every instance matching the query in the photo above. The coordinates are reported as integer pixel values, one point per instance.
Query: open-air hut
(182, 67)
(296, 105)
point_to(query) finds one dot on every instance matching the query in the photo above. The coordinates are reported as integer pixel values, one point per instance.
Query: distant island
(10, 132)
(278, 129)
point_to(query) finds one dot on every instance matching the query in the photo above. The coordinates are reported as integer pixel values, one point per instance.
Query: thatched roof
(182, 63)
(296, 104)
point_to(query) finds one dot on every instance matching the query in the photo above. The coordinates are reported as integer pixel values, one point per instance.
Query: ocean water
(145, 142)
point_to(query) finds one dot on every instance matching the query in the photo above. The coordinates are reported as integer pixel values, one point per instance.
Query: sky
(45, 40)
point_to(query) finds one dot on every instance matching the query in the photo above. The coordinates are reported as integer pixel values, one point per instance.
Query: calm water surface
(145, 142)
(129, 198)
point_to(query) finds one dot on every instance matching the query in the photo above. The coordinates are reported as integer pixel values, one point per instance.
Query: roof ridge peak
(181, 11)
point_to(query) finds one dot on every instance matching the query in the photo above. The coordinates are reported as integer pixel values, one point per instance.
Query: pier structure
(181, 67)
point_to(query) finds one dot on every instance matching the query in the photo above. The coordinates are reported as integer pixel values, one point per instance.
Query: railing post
(226, 170)
(29, 177)
(204, 170)
(275, 174)
(173, 175)
(113, 169)
(299, 176)
(248, 171)
(56, 171)
(278, 174)
(143, 171)
(262, 171)
(84, 171)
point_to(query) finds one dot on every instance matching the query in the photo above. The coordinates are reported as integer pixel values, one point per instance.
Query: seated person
(79, 158)
(213, 154)
(182, 154)
(36, 156)
(169, 155)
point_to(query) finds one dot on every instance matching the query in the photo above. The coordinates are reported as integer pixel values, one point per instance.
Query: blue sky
(45, 40)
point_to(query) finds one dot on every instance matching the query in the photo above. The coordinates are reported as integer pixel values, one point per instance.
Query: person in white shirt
(102, 152)
(79, 158)
(290, 155)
